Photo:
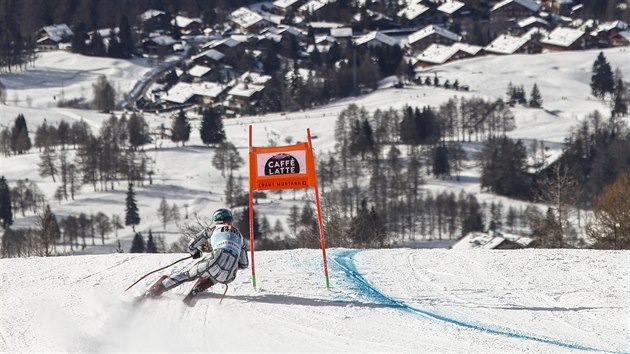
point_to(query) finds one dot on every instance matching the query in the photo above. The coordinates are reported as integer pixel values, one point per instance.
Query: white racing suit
(229, 253)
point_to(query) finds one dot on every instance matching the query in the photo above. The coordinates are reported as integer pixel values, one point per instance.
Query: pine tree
(180, 127)
(535, 99)
(6, 213)
(20, 141)
(151, 247)
(138, 130)
(602, 81)
(619, 104)
(211, 130)
(137, 245)
(104, 94)
(47, 166)
(164, 212)
(132, 216)
(48, 232)
(126, 38)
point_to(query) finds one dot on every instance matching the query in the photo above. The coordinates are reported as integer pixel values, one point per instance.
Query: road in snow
(398, 300)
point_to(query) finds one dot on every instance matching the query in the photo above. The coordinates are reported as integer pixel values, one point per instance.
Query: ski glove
(197, 254)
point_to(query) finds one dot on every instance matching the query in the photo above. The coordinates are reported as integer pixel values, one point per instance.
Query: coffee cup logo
(282, 164)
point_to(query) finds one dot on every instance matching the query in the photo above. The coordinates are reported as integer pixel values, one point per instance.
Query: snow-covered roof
(149, 14)
(535, 31)
(283, 4)
(468, 48)
(341, 32)
(163, 40)
(481, 240)
(324, 38)
(530, 4)
(437, 54)
(412, 11)
(324, 25)
(199, 70)
(563, 36)
(607, 26)
(210, 53)
(311, 6)
(245, 17)
(183, 91)
(229, 42)
(506, 44)
(433, 29)
(376, 36)
(531, 20)
(625, 34)
(450, 7)
(107, 32)
(58, 31)
(182, 21)
(254, 78)
(245, 90)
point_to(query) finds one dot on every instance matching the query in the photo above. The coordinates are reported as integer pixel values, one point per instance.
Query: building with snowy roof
(187, 25)
(283, 6)
(248, 21)
(437, 54)
(604, 32)
(422, 39)
(203, 93)
(49, 37)
(506, 44)
(153, 20)
(564, 38)
(375, 39)
(492, 240)
(311, 7)
(209, 58)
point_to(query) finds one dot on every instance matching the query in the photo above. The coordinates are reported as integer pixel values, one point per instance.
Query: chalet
(50, 37)
(375, 39)
(562, 7)
(153, 20)
(221, 45)
(187, 25)
(376, 20)
(311, 7)
(504, 14)
(247, 91)
(422, 39)
(492, 240)
(507, 44)
(342, 34)
(513, 9)
(621, 39)
(248, 21)
(283, 6)
(455, 10)
(158, 45)
(604, 32)
(563, 38)
(276, 33)
(209, 58)
(417, 14)
(436, 54)
(205, 93)
(322, 27)
(525, 25)
(199, 72)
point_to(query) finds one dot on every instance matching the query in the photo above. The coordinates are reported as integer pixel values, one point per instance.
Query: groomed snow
(398, 300)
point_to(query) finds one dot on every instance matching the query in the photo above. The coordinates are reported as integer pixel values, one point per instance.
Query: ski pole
(157, 270)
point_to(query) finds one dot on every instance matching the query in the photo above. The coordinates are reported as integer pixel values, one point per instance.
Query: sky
(398, 300)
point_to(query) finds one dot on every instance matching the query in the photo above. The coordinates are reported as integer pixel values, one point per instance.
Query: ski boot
(201, 285)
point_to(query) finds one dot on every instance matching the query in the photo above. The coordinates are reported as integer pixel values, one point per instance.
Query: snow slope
(184, 175)
(398, 300)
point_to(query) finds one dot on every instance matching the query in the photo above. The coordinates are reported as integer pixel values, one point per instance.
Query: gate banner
(281, 167)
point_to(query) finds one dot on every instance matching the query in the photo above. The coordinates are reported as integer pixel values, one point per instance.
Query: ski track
(543, 298)
(345, 260)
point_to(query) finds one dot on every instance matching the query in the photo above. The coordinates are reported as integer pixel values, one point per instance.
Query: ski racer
(228, 254)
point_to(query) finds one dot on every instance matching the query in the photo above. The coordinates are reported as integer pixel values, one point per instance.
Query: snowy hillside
(184, 175)
(398, 300)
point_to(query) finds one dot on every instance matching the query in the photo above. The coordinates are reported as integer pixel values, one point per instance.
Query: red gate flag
(281, 167)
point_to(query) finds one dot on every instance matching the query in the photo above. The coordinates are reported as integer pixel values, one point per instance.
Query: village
(237, 65)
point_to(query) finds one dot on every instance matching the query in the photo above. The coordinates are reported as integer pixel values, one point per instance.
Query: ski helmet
(222, 216)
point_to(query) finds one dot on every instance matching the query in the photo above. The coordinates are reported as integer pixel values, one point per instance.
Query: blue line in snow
(345, 259)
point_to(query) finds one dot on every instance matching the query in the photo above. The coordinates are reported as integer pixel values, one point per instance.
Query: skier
(220, 266)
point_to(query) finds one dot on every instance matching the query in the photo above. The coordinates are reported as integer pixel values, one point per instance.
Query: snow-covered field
(398, 300)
